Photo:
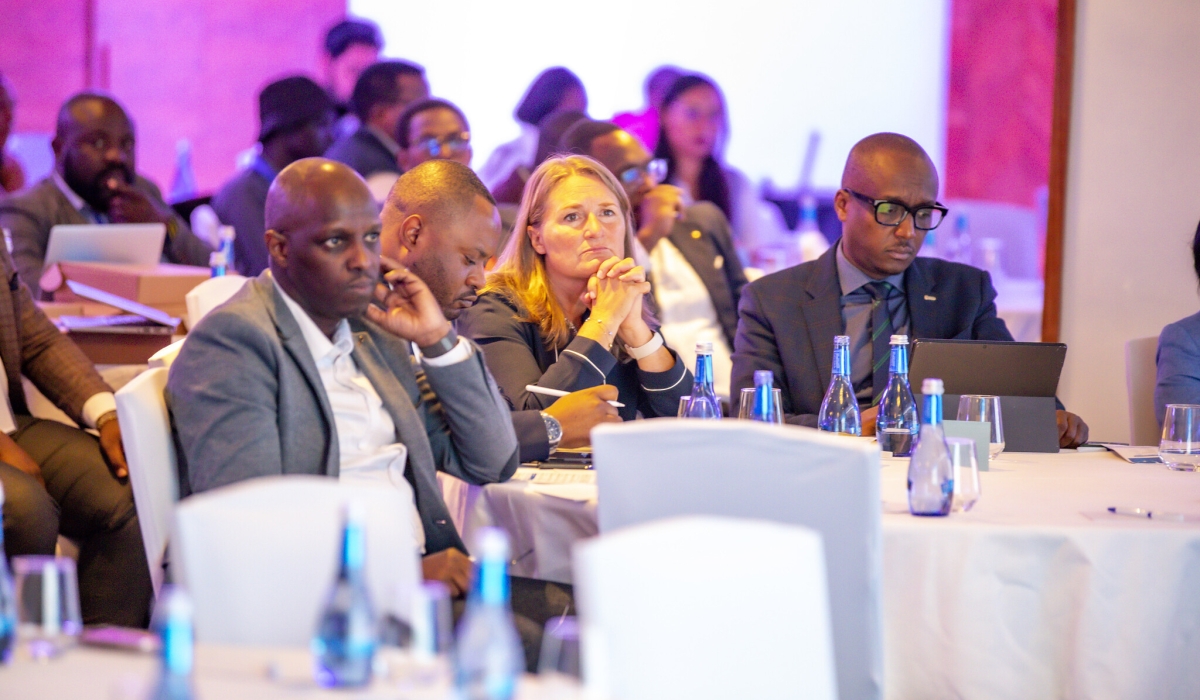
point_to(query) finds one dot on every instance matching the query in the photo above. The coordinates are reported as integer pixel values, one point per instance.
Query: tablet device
(1024, 376)
(130, 244)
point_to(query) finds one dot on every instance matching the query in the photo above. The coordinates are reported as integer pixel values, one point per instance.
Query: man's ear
(841, 201)
(411, 230)
(535, 238)
(277, 247)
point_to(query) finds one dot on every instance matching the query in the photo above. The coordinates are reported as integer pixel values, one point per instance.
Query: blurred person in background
(12, 176)
(94, 181)
(351, 46)
(555, 90)
(1178, 357)
(645, 124)
(550, 133)
(430, 130)
(692, 136)
(295, 121)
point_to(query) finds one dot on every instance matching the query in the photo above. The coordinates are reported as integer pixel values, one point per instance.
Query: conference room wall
(1131, 199)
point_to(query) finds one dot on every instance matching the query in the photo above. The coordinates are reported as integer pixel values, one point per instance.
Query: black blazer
(787, 321)
(364, 152)
(517, 356)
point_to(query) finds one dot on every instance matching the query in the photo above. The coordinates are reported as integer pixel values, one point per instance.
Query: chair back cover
(258, 557)
(667, 467)
(210, 294)
(705, 607)
(1141, 374)
(150, 453)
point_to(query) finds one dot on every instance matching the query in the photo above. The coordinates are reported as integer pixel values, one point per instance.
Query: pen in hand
(535, 389)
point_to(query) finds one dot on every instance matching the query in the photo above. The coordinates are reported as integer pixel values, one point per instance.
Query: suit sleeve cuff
(461, 352)
(97, 406)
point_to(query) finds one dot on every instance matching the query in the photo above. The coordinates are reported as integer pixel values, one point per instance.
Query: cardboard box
(54, 309)
(163, 287)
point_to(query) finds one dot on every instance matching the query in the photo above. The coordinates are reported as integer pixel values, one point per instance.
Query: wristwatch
(441, 347)
(553, 430)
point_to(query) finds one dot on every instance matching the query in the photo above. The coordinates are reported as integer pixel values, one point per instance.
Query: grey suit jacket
(246, 400)
(31, 214)
(787, 321)
(364, 152)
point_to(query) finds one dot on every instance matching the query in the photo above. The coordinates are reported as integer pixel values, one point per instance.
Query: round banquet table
(1038, 591)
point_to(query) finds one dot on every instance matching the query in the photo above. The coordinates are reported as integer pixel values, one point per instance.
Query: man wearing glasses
(433, 129)
(868, 286)
(688, 250)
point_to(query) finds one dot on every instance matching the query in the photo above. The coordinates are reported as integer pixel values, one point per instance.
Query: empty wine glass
(984, 409)
(1180, 445)
(746, 407)
(966, 473)
(48, 619)
(684, 402)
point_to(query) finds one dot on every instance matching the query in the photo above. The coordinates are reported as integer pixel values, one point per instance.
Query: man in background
(12, 176)
(94, 181)
(296, 120)
(432, 129)
(380, 96)
(350, 47)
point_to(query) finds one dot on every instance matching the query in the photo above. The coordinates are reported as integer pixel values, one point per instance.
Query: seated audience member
(440, 222)
(351, 46)
(381, 95)
(563, 307)
(868, 286)
(550, 133)
(432, 129)
(61, 480)
(645, 124)
(696, 275)
(1178, 356)
(295, 121)
(554, 90)
(694, 129)
(12, 176)
(300, 374)
(94, 181)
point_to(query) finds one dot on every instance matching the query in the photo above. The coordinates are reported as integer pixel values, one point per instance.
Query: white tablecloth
(1037, 592)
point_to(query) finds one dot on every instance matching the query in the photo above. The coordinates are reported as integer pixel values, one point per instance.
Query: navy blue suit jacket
(364, 152)
(787, 321)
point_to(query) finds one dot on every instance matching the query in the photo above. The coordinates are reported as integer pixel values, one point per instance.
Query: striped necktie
(881, 334)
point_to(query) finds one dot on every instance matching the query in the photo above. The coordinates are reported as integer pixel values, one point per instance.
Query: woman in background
(1179, 356)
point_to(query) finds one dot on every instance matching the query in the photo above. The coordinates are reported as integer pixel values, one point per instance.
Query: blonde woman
(563, 308)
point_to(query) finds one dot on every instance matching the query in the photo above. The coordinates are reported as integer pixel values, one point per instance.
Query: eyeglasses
(890, 213)
(656, 170)
(454, 143)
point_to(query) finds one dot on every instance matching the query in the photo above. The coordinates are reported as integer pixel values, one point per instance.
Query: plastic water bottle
(809, 240)
(8, 599)
(226, 235)
(930, 471)
(344, 646)
(704, 402)
(898, 424)
(217, 263)
(839, 411)
(764, 409)
(173, 621)
(488, 657)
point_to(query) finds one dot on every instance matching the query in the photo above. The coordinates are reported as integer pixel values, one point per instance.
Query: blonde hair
(520, 271)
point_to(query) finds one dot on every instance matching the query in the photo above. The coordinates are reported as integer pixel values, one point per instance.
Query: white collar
(385, 138)
(324, 350)
(72, 196)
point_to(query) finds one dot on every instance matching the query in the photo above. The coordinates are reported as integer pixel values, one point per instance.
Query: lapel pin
(930, 298)
(696, 233)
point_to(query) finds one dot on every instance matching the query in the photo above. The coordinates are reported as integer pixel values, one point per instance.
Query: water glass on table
(984, 409)
(684, 402)
(1180, 445)
(746, 408)
(966, 473)
(48, 618)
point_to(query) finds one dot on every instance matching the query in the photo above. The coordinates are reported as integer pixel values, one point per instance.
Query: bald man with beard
(299, 373)
(871, 277)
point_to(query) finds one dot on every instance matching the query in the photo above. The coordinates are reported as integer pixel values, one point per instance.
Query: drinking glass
(560, 648)
(1180, 446)
(746, 408)
(966, 473)
(984, 409)
(684, 402)
(48, 619)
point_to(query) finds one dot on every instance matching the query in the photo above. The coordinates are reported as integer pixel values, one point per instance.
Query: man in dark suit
(868, 286)
(299, 374)
(381, 95)
(694, 268)
(94, 181)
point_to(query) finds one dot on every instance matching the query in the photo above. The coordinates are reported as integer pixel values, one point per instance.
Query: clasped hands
(614, 296)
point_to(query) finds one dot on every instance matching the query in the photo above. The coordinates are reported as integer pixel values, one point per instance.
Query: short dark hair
(579, 137)
(377, 86)
(440, 187)
(348, 32)
(713, 185)
(416, 108)
(546, 93)
(289, 104)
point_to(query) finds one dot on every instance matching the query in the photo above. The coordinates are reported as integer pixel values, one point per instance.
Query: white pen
(535, 389)
(1143, 513)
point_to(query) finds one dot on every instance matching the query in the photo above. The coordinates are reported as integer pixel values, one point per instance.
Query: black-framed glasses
(454, 143)
(655, 169)
(890, 212)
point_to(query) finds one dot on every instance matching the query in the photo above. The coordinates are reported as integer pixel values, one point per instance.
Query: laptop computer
(1024, 376)
(130, 244)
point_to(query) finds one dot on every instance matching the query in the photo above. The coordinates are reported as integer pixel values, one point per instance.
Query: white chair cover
(705, 607)
(164, 358)
(647, 470)
(150, 452)
(258, 557)
(1141, 374)
(210, 294)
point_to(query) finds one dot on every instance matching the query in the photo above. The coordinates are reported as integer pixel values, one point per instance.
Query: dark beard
(96, 192)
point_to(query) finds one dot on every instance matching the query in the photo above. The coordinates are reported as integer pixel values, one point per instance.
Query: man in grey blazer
(868, 286)
(94, 181)
(300, 374)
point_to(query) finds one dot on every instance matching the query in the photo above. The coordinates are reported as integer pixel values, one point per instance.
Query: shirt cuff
(97, 406)
(461, 352)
